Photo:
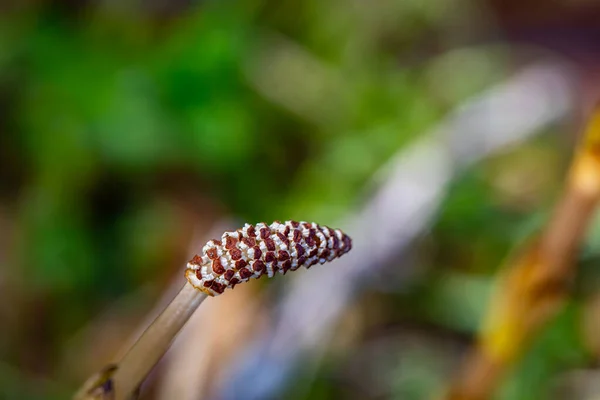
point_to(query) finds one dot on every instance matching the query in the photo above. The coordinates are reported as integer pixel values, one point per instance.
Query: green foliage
(558, 348)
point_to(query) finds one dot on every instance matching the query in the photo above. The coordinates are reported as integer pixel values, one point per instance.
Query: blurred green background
(126, 127)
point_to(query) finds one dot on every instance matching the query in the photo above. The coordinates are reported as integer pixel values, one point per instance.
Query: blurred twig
(537, 280)
(402, 208)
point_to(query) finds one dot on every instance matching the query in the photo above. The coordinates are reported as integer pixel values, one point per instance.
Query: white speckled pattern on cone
(253, 251)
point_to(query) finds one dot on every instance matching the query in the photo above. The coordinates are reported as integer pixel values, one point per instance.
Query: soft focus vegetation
(128, 129)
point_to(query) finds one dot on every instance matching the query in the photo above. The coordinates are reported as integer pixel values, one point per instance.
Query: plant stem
(126, 377)
(536, 284)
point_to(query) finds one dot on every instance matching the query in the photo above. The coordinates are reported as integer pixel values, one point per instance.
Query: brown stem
(120, 381)
(535, 283)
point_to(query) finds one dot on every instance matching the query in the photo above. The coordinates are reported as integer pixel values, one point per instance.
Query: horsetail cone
(254, 251)
(249, 252)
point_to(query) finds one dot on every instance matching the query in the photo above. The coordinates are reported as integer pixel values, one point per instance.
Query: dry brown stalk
(120, 381)
(536, 282)
(202, 361)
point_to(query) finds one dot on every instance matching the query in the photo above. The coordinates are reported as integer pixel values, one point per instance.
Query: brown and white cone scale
(255, 251)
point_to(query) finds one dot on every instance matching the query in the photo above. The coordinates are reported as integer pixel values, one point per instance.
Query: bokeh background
(131, 132)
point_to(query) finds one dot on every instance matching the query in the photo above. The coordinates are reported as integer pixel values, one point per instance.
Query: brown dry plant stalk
(536, 282)
(249, 252)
